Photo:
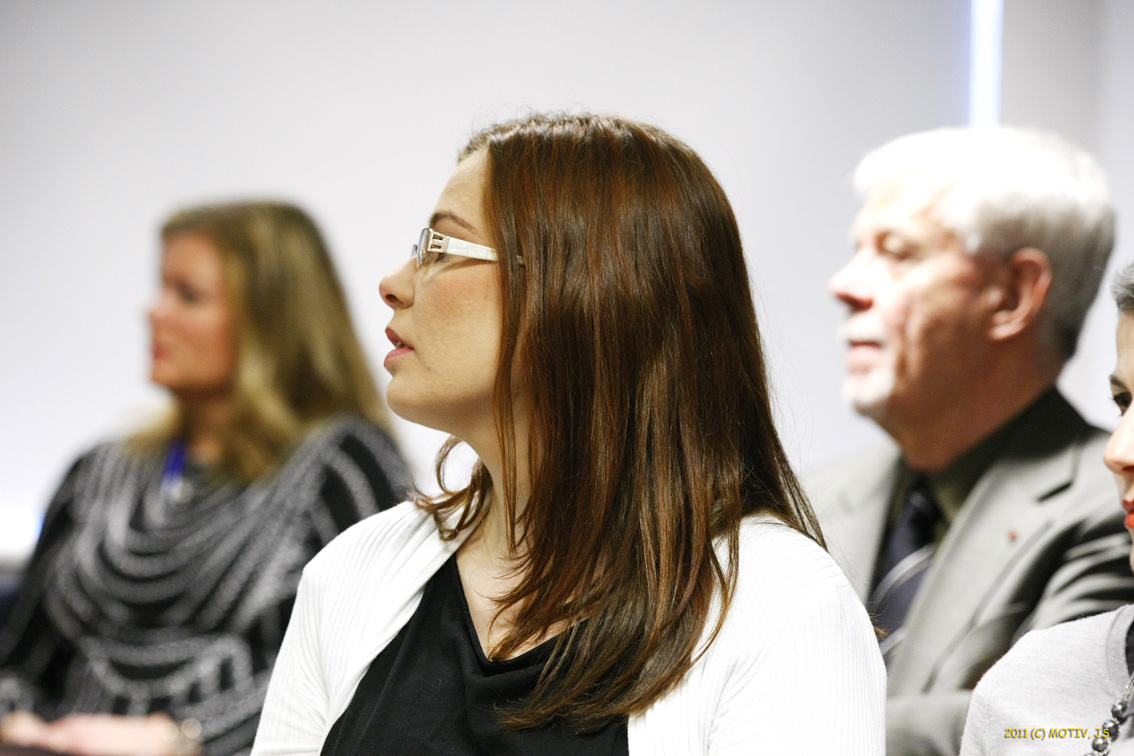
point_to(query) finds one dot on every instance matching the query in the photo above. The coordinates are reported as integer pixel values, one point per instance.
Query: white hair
(1001, 189)
(1122, 288)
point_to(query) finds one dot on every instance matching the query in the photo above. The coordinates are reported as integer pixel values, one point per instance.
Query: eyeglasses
(432, 245)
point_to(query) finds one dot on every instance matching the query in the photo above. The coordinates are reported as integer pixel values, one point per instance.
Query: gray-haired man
(977, 255)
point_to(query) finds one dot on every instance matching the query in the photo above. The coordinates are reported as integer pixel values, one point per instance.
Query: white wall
(1069, 67)
(114, 113)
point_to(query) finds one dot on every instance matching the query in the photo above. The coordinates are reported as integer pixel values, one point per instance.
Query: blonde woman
(154, 606)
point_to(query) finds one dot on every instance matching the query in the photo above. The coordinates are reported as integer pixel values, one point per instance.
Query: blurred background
(115, 113)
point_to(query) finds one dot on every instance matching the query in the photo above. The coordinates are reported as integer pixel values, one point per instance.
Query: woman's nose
(1119, 453)
(157, 307)
(396, 287)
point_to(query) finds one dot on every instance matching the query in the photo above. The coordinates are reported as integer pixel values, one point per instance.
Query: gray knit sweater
(138, 601)
(1052, 690)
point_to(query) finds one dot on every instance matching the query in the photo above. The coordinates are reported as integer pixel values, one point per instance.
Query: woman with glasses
(156, 601)
(632, 567)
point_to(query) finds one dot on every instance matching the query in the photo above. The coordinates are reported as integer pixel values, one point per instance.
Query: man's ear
(1019, 293)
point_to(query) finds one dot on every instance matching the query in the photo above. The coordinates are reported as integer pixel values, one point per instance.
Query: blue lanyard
(174, 471)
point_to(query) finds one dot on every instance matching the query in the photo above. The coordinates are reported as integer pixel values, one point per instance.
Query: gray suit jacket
(1040, 540)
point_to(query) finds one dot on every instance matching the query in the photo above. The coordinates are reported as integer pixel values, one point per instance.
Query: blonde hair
(299, 360)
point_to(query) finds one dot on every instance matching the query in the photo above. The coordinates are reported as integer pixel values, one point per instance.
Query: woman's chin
(412, 412)
(430, 415)
(159, 378)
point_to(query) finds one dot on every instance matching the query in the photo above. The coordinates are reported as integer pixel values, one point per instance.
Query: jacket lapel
(854, 520)
(993, 530)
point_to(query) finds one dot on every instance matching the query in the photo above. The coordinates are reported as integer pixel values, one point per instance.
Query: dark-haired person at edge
(155, 603)
(632, 568)
(977, 253)
(1067, 689)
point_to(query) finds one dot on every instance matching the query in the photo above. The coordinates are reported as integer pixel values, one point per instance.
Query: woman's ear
(1019, 293)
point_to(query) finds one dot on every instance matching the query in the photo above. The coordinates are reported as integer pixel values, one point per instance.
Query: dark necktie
(908, 554)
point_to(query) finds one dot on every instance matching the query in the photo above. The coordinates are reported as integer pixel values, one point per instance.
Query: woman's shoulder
(397, 544)
(361, 441)
(786, 579)
(107, 466)
(1095, 627)
(1046, 650)
(1051, 676)
(110, 457)
(110, 449)
(342, 427)
(371, 574)
(793, 626)
(772, 553)
(356, 436)
(355, 463)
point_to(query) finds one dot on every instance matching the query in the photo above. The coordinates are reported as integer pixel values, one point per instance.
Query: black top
(432, 691)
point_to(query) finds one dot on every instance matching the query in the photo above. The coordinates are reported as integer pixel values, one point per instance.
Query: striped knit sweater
(795, 668)
(136, 601)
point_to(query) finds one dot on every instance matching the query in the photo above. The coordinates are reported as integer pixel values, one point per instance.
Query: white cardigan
(795, 668)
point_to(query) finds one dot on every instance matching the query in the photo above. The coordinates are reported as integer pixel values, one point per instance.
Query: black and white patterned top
(139, 601)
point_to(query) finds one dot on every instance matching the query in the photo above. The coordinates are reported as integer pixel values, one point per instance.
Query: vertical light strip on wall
(986, 33)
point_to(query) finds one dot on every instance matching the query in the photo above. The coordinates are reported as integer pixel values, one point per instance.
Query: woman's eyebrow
(1117, 383)
(441, 215)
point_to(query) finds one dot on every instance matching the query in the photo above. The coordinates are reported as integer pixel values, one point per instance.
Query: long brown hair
(630, 326)
(299, 360)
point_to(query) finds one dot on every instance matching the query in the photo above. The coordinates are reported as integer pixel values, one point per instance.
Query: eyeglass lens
(418, 250)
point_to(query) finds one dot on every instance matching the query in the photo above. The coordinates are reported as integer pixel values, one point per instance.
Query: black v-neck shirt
(432, 692)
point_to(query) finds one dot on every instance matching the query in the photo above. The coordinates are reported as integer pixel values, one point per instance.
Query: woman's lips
(400, 347)
(1128, 508)
(1128, 505)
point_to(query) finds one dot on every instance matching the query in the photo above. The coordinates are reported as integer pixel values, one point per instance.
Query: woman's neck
(494, 534)
(488, 561)
(205, 419)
